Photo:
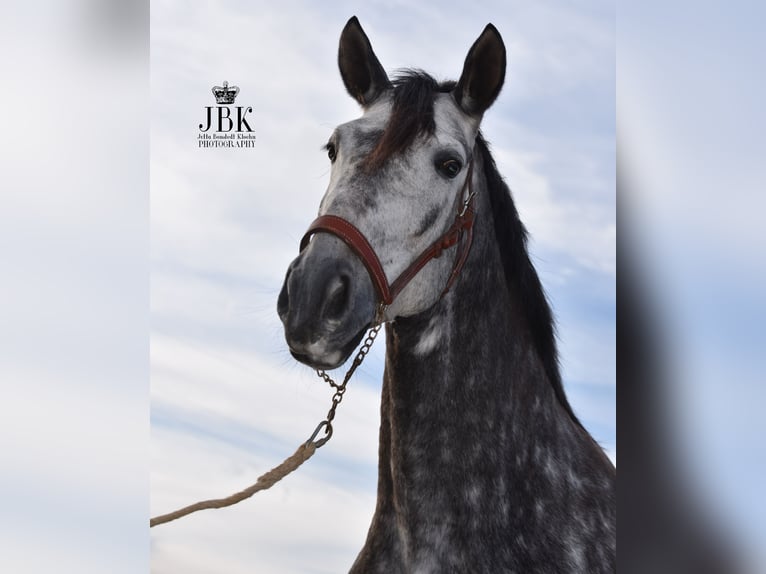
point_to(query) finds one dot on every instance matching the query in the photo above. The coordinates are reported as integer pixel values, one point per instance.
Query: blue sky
(691, 127)
(228, 402)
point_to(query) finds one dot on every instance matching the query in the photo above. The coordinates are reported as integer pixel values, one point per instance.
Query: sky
(691, 126)
(227, 400)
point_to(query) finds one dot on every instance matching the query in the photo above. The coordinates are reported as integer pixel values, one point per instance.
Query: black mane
(412, 116)
(520, 275)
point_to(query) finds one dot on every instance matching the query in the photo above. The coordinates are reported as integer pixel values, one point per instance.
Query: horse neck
(477, 451)
(465, 392)
(469, 365)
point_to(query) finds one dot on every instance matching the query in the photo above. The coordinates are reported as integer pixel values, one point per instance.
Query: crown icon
(225, 94)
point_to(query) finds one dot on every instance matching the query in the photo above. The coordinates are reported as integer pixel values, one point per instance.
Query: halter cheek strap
(459, 233)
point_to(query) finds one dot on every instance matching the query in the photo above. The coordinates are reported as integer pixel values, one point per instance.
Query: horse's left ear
(483, 73)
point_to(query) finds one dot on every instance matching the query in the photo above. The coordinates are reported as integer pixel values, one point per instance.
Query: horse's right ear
(364, 77)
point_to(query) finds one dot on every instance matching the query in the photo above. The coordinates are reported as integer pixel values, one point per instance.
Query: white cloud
(224, 417)
(581, 227)
(303, 524)
(196, 381)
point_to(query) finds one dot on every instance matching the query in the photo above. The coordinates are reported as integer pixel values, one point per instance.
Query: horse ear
(364, 77)
(483, 73)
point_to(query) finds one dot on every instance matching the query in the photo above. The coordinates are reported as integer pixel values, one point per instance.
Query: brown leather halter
(460, 232)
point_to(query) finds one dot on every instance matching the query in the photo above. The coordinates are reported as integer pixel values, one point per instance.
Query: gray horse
(483, 465)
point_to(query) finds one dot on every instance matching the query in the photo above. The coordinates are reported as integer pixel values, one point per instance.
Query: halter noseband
(461, 231)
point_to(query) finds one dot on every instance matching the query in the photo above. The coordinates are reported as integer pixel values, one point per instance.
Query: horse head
(399, 176)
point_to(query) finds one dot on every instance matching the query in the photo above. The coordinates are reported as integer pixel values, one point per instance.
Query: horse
(483, 465)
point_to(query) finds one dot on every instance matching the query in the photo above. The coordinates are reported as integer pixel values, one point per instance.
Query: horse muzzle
(326, 303)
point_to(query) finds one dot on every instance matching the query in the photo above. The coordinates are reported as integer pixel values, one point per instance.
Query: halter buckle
(466, 204)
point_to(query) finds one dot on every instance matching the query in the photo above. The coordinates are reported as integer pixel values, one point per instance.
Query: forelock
(412, 115)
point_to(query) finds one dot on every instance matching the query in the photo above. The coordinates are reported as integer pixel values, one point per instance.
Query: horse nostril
(283, 302)
(337, 297)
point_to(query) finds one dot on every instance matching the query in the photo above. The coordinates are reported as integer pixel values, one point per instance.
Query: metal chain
(340, 389)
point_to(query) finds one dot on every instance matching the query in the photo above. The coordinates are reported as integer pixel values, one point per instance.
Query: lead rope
(305, 451)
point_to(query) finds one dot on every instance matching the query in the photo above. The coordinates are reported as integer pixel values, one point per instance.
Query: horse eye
(450, 167)
(331, 153)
